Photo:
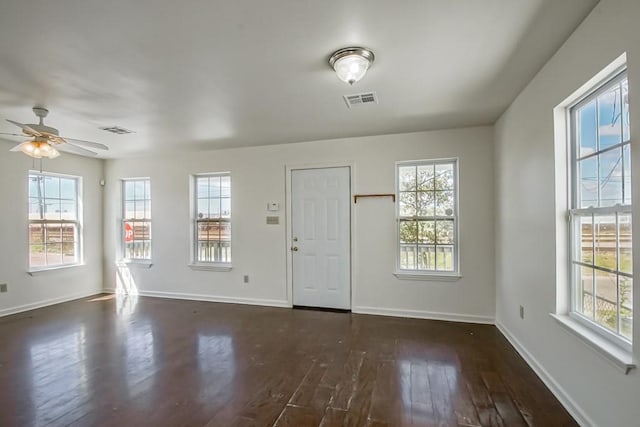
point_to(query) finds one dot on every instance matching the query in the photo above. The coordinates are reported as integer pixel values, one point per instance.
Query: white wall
(25, 291)
(595, 391)
(260, 250)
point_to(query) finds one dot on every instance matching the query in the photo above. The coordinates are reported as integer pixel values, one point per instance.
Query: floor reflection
(216, 366)
(140, 362)
(59, 374)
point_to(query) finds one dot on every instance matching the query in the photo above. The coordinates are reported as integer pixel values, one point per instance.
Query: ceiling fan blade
(20, 135)
(85, 143)
(18, 147)
(72, 148)
(26, 128)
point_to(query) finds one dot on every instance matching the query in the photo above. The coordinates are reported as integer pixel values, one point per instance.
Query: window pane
(36, 186)
(214, 208)
(129, 193)
(67, 188)
(69, 253)
(626, 307)
(605, 241)
(407, 203)
(626, 131)
(444, 177)
(51, 187)
(37, 256)
(138, 190)
(214, 186)
(609, 118)
(225, 184)
(626, 160)
(444, 232)
(444, 258)
(147, 209)
(225, 207)
(426, 257)
(147, 189)
(36, 234)
(624, 243)
(427, 232)
(52, 209)
(444, 203)
(34, 209)
(585, 239)
(129, 209)
(610, 177)
(54, 253)
(202, 208)
(202, 187)
(584, 290)
(69, 233)
(408, 231)
(588, 182)
(139, 209)
(425, 177)
(407, 178)
(68, 210)
(606, 306)
(586, 127)
(408, 257)
(53, 233)
(425, 203)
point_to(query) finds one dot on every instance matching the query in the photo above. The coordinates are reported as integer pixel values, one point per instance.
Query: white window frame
(77, 224)
(215, 264)
(574, 211)
(143, 261)
(438, 275)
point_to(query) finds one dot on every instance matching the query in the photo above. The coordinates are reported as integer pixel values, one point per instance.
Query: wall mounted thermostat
(273, 207)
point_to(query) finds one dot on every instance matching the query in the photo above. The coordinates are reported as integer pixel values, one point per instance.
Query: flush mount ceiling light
(351, 63)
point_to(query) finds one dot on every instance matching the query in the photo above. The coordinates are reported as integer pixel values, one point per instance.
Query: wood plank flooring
(136, 361)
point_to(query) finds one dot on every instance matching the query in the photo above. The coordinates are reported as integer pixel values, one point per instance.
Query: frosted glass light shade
(352, 63)
(38, 150)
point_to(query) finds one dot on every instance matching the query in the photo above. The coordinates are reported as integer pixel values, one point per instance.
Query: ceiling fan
(46, 140)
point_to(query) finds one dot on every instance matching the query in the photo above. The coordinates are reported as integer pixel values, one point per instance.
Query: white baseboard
(211, 298)
(418, 314)
(569, 404)
(45, 303)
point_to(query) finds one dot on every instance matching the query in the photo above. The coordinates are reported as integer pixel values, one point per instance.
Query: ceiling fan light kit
(351, 63)
(46, 140)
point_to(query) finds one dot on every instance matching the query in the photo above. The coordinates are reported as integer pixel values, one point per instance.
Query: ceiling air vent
(117, 130)
(359, 99)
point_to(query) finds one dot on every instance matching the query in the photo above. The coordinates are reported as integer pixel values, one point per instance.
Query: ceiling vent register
(117, 130)
(360, 99)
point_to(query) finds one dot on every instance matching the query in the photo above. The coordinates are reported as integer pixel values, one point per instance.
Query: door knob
(294, 248)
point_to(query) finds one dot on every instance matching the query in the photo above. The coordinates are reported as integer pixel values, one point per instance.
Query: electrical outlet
(521, 312)
(246, 278)
(3, 287)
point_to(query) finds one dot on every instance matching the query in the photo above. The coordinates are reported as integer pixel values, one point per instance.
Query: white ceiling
(204, 74)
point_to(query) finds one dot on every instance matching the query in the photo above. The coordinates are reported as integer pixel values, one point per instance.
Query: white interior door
(321, 242)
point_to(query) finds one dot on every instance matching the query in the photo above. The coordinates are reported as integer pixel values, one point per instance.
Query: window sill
(619, 357)
(437, 277)
(211, 267)
(139, 263)
(34, 271)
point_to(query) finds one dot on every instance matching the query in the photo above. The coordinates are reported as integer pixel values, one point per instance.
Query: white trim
(210, 267)
(209, 298)
(40, 304)
(560, 393)
(40, 270)
(139, 263)
(420, 314)
(434, 277)
(288, 217)
(619, 357)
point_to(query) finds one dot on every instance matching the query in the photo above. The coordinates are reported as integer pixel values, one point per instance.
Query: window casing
(427, 217)
(212, 219)
(54, 221)
(136, 219)
(600, 211)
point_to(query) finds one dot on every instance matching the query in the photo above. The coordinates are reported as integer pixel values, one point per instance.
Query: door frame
(289, 223)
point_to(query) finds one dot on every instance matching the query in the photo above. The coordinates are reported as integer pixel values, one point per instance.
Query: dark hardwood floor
(155, 362)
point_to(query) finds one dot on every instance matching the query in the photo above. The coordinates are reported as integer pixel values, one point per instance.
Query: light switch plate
(273, 220)
(3, 287)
